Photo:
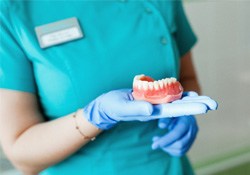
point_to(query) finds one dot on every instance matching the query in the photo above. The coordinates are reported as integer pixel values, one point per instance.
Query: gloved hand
(182, 130)
(181, 134)
(118, 105)
(190, 104)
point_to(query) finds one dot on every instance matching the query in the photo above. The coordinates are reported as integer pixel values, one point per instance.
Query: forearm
(188, 77)
(45, 144)
(191, 85)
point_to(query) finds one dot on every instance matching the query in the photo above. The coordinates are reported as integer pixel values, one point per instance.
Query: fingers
(178, 109)
(181, 147)
(188, 105)
(142, 108)
(212, 105)
(189, 93)
(123, 104)
(155, 138)
(180, 129)
(178, 144)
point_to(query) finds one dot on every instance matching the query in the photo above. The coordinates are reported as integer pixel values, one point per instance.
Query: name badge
(58, 32)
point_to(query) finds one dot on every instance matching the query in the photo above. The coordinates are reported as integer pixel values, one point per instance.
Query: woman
(59, 57)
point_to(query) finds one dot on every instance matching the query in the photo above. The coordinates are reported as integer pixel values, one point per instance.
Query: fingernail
(154, 146)
(155, 138)
(162, 125)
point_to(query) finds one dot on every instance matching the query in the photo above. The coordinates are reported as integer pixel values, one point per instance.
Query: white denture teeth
(151, 85)
(161, 84)
(138, 77)
(173, 79)
(139, 85)
(156, 85)
(145, 85)
(165, 82)
(135, 83)
(170, 81)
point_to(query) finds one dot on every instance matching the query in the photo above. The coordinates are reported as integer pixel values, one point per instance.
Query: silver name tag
(58, 32)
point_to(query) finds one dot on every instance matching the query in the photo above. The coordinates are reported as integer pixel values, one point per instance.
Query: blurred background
(222, 60)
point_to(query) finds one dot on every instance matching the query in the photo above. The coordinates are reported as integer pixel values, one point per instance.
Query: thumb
(135, 108)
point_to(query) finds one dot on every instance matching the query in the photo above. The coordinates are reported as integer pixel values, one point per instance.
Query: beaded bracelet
(77, 127)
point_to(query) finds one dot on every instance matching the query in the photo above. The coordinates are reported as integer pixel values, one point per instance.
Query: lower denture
(171, 90)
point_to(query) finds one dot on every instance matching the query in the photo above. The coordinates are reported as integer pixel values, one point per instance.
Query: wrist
(97, 117)
(85, 128)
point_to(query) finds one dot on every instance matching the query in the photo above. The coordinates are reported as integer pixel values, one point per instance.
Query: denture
(156, 92)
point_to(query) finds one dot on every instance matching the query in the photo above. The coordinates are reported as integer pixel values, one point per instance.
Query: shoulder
(10, 5)
(4, 7)
(10, 8)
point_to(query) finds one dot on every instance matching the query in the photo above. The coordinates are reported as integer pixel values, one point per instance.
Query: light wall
(222, 59)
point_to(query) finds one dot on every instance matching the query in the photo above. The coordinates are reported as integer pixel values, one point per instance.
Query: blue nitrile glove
(118, 105)
(182, 130)
(181, 134)
(190, 104)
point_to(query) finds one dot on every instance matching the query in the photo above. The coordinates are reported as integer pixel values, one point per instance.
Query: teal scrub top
(121, 39)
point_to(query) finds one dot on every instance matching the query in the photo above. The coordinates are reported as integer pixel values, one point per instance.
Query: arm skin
(188, 77)
(32, 144)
